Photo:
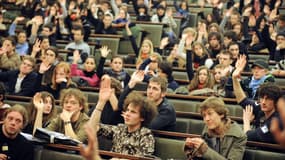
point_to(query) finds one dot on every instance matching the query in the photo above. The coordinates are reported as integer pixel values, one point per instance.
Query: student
(61, 79)
(9, 59)
(165, 71)
(117, 71)
(222, 138)
(88, 74)
(49, 111)
(72, 118)
(49, 60)
(202, 80)
(156, 91)
(132, 137)
(263, 112)
(21, 81)
(13, 144)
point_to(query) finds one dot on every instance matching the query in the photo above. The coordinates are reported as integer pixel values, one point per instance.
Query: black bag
(55, 137)
(79, 81)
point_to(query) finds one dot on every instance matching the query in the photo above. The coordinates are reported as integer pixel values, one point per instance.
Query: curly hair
(147, 108)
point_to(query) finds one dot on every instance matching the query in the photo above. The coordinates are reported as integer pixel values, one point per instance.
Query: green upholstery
(184, 105)
(182, 125)
(251, 154)
(196, 126)
(155, 32)
(169, 148)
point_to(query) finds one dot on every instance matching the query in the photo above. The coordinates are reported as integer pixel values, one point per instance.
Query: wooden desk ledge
(101, 152)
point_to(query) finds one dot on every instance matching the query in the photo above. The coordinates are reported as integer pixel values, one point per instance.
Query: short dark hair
(232, 43)
(166, 68)
(78, 28)
(231, 35)
(215, 34)
(270, 90)
(147, 108)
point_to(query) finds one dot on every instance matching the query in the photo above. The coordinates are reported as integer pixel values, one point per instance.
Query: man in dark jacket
(156, 91)
(263, 112)
(21, 81)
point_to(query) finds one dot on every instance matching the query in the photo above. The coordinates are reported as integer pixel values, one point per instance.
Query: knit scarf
(254, 84)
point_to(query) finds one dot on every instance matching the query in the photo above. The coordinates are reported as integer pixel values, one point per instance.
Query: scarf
(89, 74)
(254, 84)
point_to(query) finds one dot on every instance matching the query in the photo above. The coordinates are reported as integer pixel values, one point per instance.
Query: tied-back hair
(147, 108)
(195, 81)
(218, 105)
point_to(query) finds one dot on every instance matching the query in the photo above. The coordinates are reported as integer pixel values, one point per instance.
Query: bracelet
(100, 110)
(67, 122)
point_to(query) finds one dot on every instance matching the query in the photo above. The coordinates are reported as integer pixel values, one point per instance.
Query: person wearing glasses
(21, 81)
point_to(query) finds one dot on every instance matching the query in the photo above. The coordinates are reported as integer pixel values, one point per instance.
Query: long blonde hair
(149, 43)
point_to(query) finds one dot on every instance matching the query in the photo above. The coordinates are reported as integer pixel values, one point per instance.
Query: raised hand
(248, 113)
(36, 48)
(104, 51)
(76, 57)
(90, 152)
(137, 76)
(164, 41)
(44, 67)
(2, 51)
(240, 64)
(105, 91)
(38, 101)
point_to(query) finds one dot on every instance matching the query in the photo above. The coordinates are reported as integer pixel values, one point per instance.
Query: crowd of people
(213, 54)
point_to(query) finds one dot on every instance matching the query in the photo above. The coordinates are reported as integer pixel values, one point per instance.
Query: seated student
(21, 82)
(104, 26)
(78, 44)
(263, 112)
(221, 74)
(116, 71)
(72, 118)
(279, 68)
(49, 111)
(156, 91)
(150, 66)
(144, 51)
(132, 137)
(22, 46)
(88, 74)
(165, 71)
(260, 71)
(61, 79)
(49, 60)
(40, 46)
(3, 106)
(143, 13)
(14, 146)
(9, 59)
(202, 82)
(222, 138)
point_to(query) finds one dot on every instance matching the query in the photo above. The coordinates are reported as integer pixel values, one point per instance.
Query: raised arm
(104, 53)
(240, 64)
(39, 105)
(104, 95)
